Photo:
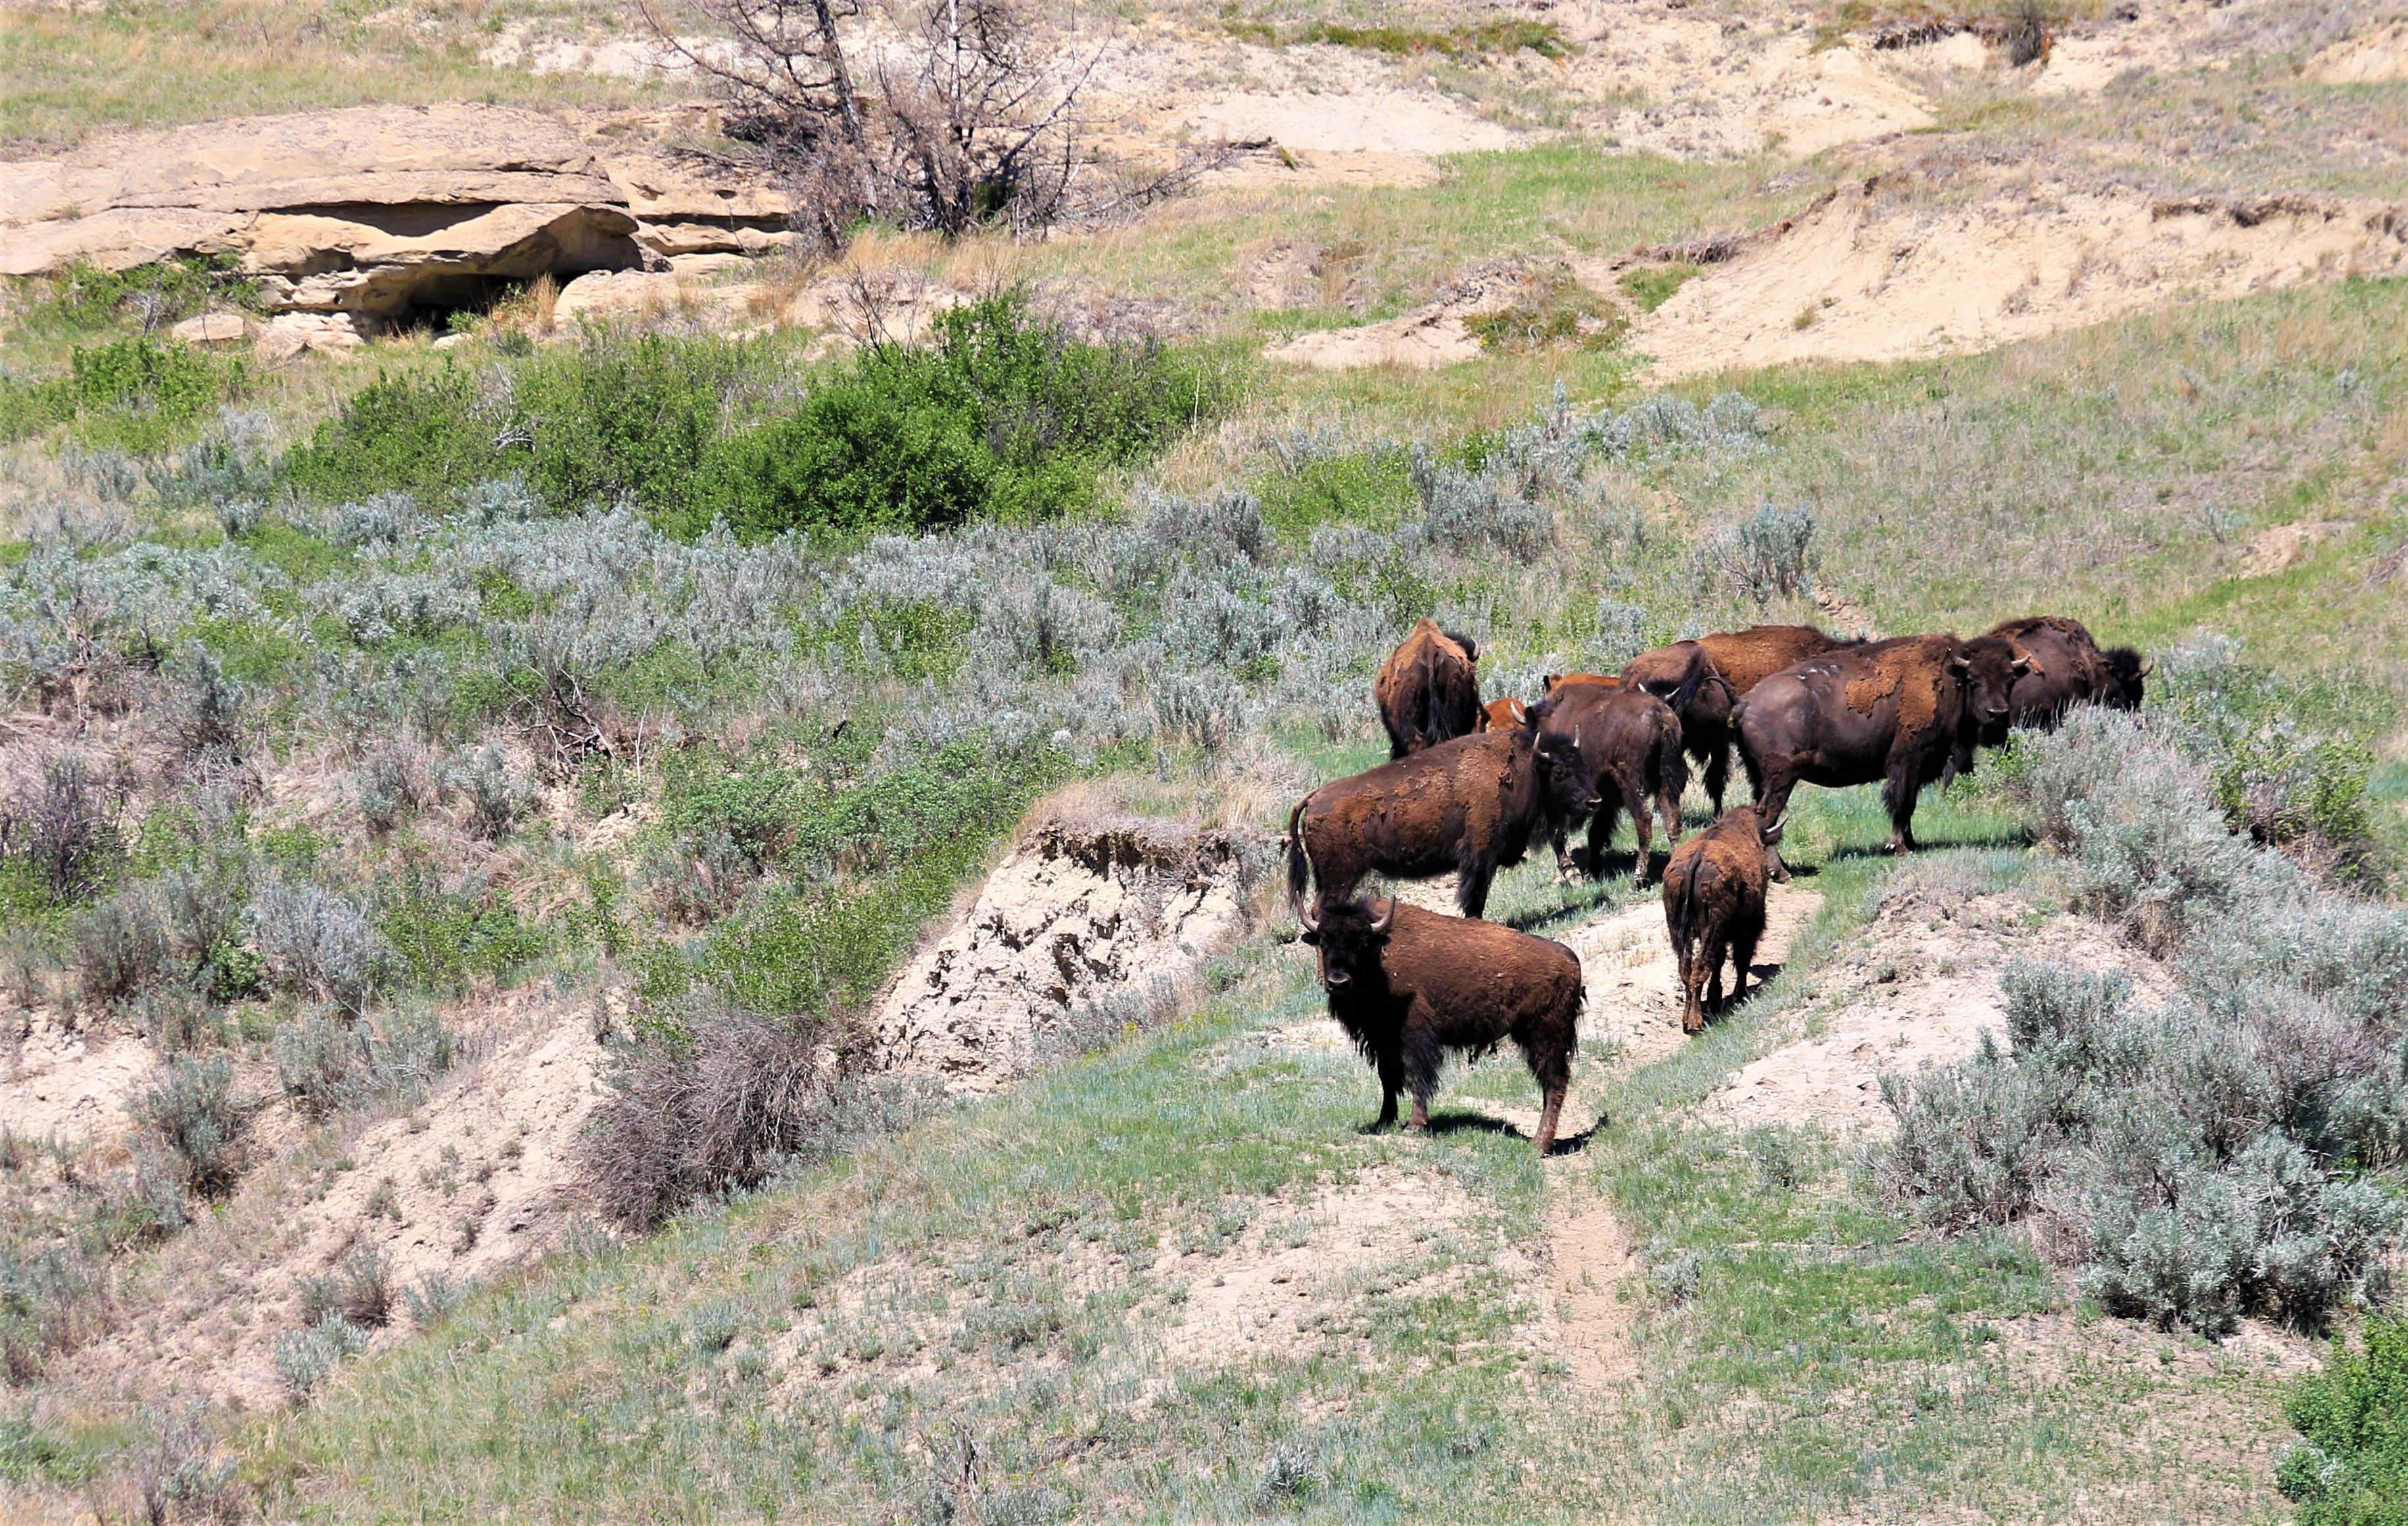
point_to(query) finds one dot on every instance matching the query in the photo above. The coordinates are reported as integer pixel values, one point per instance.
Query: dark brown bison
(1684, 677)
(2069, 668)
(1428, 690)
(1409, 985)
(1713, 906)
(1904, 712)
(1747, 657)
(1504, 714)
(1468, 805)
(1603, 751)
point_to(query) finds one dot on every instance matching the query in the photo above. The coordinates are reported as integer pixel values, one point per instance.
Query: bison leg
(1392, 1080)
(1472, 887)
(1742, 956)
(1642, 835)
(1693, 981)
(1899, 792)
(1716, 950)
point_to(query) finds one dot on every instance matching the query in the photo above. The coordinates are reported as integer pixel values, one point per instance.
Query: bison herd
(1467, 787)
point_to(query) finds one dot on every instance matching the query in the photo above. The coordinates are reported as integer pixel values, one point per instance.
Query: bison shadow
(1464, 1121)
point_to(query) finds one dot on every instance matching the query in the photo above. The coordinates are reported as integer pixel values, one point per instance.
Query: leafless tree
(966, 117)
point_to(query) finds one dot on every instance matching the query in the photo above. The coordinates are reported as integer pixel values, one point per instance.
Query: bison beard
(1428, 690)
(1408, 986)
(1713, 906)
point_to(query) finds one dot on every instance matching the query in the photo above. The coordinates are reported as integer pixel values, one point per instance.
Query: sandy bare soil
(473, 1182)
(1916, 988)
(1869, 276)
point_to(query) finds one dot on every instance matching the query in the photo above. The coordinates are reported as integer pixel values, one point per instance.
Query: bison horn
(1379, 923)
(1304, 915)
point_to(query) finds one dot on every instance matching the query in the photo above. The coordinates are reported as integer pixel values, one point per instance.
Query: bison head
(2126, 676)
(1349, 935)
(1988, 667)
(1567, 787)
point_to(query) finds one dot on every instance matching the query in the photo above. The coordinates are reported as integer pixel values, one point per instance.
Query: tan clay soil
(1916, 988)
(1869, 276)
(475, 1181)
(1077, 914)
(68, 1084)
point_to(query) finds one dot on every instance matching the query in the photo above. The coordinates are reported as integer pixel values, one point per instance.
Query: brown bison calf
(1590, 736)
(1504, 714)
(1713, 906)
(1408, 986)
(1468, 805)
(1684, 677)
(1428, 690)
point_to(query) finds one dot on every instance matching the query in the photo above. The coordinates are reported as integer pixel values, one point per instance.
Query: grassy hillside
(664, 680)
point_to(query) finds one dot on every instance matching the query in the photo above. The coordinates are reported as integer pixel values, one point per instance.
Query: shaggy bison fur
(1604, 751)
(1428, 690)
(1714, 906)
(1684, 677)
(1906, 712)
(1468, 805)
(1408, 986)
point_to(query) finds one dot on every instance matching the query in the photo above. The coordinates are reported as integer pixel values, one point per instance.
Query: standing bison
(1906, 712)
(2068, 668)
(1428, 690)
(1745, 658)
(1409, 985)
(1591, 736)
(1713, 906)
(1684, 677)
(1468, 805)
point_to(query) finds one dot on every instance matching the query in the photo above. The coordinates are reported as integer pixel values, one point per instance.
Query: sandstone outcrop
(374, 210)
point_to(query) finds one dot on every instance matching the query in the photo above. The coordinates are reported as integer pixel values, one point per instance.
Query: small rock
(212, 328)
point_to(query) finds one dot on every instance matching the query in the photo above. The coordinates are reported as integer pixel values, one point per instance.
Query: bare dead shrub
(360, 1288)
(64, 822)
(183, 1478)
(717, 1100)
(973, 120)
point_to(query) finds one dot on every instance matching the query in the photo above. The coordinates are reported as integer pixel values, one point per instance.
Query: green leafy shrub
(2350, 1468)
(84, 297)
(136, 394)
(1002, 418)
(446, 940)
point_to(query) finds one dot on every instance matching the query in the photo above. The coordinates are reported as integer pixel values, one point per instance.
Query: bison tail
(1299, 869)
(1672, 765)
(1681, 885)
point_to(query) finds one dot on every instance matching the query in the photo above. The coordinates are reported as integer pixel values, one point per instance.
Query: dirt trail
(1590, 1268)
